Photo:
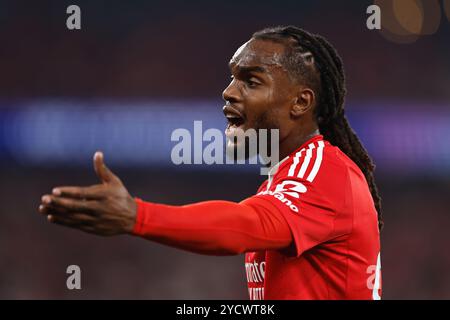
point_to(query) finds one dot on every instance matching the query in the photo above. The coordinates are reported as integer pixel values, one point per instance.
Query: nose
(231, 93)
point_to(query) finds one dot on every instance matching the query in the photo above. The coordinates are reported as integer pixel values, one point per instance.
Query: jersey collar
(275, 168)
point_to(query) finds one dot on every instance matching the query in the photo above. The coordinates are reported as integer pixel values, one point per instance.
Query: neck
(292, 143)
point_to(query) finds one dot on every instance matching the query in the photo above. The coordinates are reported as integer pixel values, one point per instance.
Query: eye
(252, 83)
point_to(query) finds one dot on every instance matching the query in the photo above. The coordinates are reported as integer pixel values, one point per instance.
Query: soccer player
(312, 229)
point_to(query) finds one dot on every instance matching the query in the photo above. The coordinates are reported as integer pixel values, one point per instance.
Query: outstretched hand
(103, 209)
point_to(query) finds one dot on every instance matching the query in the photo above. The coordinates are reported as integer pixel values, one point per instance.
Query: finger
(104, 174)
(70, 205)
(64, 221)
(95, 192)
(45, 210)
(51, 210)
(74, 217)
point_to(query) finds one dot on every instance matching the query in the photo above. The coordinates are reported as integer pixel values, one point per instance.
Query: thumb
(102, 171)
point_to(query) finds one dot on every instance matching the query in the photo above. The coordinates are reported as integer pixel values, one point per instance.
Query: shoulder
(317, 161)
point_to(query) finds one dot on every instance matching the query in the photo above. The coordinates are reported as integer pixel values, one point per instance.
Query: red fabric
(213, 227)
(311, 232)
(326, 201)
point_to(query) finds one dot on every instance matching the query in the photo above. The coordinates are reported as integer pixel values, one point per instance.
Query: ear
(304, 102)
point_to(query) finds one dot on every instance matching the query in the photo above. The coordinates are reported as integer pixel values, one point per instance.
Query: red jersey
(326, 201)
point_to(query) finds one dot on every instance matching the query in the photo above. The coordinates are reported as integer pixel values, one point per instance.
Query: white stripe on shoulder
(306, 161)
(318, 161)
(295, 162)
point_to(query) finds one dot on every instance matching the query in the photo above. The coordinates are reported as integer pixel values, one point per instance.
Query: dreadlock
(313, 59)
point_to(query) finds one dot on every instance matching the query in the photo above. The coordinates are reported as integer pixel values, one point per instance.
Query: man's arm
(211, 227)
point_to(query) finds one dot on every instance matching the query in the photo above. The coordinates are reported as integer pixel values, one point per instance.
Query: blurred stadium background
(137, 70)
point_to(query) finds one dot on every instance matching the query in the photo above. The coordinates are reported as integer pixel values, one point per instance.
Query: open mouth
(235, 119)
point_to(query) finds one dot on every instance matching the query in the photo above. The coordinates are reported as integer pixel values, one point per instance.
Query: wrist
(131, 215)
(138, 221)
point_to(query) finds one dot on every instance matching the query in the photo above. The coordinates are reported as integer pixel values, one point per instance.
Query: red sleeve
(213, 227)
(314, 205)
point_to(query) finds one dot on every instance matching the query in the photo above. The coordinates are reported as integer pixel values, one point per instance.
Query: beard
(254, 139)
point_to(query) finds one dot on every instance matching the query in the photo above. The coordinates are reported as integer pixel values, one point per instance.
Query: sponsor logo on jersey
(287, 188)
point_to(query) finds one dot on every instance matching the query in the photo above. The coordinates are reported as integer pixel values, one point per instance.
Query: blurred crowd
(179, 50)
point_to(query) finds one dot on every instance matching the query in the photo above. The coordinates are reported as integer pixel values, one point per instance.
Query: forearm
(212, 227)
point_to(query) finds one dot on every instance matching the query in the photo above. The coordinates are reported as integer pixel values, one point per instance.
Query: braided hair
(312, 59)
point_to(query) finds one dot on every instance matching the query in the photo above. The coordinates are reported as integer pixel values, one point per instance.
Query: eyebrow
(248, 69)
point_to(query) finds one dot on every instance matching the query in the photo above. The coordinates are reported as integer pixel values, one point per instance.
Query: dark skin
(261, 91)
(104, 209)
